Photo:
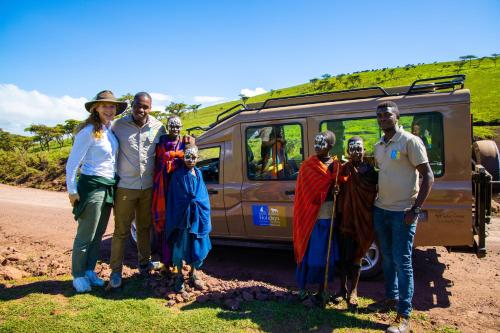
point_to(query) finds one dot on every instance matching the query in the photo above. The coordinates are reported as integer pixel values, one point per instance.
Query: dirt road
(455, 289)
(44, 215)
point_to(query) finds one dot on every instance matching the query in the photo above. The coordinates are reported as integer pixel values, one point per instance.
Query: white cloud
(160, 101)
(208, 99)
(250, 93)
(20, 108)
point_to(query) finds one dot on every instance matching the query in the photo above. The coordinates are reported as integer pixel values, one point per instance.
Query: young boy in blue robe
(188, 222)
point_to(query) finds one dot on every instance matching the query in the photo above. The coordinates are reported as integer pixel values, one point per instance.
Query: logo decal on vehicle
(268, 216)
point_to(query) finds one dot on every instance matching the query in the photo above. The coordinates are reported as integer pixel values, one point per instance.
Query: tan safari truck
(250, 158)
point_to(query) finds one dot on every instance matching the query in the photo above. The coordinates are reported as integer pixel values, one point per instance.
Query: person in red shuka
(312, 213)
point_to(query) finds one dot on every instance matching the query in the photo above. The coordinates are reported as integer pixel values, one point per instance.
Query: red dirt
(455, 289)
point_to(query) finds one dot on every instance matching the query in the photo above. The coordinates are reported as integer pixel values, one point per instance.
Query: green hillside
(483, 79)
(44, 169)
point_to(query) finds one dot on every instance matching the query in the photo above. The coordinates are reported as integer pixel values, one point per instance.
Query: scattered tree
(494, 57)
(43, 135)
(24, 142)
(70, 126)
(6, 142)
(10, 142)
(468, 57)
(176, 109)
(243, 98)
(194, 108)
(58, 133)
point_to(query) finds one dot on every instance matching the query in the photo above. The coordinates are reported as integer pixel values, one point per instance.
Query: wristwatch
(416, 210)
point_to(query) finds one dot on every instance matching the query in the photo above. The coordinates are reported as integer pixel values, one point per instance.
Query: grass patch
(485, 132)
(41, 305)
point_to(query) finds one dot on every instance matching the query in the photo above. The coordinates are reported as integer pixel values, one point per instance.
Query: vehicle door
(213, 173)
(274, 151)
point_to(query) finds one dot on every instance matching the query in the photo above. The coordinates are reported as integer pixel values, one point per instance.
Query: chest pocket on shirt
(149, 147)
(151, 142)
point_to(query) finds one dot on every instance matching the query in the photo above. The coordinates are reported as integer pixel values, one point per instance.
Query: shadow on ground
(292, 317)
(134, 288)
(276, 267)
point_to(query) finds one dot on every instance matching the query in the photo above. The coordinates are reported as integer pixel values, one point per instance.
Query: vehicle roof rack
(220, 118)
(456, 80)
(436, 83)
(330, 96)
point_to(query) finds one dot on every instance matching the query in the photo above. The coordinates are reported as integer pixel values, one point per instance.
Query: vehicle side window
(208, 163)
(427, 126)
(274, 152)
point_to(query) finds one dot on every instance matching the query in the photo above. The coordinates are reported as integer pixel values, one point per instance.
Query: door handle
(290, 192)
(212, 191)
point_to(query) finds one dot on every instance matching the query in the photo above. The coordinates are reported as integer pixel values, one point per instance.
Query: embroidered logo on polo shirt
(395, 154)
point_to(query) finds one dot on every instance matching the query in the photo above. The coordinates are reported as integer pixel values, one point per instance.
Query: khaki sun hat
(107, 96)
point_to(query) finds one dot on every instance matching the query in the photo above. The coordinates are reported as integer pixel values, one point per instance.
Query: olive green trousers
(131, 205)
(92, 224)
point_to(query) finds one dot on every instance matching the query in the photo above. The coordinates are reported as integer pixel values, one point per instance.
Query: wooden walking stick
(330, 236)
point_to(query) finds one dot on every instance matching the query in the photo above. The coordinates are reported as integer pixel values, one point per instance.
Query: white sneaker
(94, 279)
(81, 284)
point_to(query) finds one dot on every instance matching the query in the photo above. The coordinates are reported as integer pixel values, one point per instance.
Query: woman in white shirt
(94, 152)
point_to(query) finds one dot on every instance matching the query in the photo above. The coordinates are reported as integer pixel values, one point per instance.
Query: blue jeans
(396, 245)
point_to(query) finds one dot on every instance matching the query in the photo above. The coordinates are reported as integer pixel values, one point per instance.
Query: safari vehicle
(251, 155)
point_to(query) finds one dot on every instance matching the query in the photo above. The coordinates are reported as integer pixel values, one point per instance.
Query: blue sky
(56, 54)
